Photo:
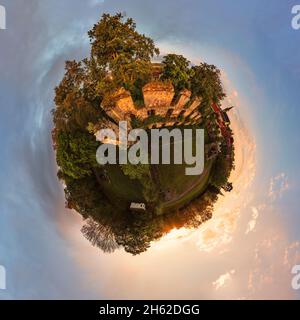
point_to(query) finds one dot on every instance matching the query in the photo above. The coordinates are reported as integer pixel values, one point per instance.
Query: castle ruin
(159, 103)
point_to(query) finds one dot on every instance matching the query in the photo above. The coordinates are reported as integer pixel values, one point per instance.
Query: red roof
(215, 108)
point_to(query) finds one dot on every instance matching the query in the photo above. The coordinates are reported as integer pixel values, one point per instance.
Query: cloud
(36, 254)
(40, 242)
(270, 272)
(278, 185)
(292, 254)
(252, 222)
(220, 231)
(223, 280)
(95, 3)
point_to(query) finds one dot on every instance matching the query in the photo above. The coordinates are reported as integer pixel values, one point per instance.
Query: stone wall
(122, 106)
(184, 98)
(123, 101)
(158, 96)
(141, 113)
(194, 105)
(106, 124)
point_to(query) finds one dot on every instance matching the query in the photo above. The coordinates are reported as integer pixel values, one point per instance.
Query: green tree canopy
(176, 68)
(121, 57)
(76, 153)
(114, 39)
(117, 47)
(206, 82)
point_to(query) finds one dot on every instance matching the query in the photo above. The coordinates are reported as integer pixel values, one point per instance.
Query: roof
(137, 206)
(215, 108)
(225, 117)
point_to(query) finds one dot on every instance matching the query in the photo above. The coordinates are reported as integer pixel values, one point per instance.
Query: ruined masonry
(159, 104)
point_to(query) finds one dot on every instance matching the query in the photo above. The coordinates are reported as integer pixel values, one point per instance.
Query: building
(121, 106)
(223, 121)
(106, 124)
(182, 100)
(158, 101)
(197, 118)
(157, 69)
(222, 116)
(212, 150)
(140, 207)
(193, 107)
(158, 96)
(141, 113)
(228, 187)
(225, 118)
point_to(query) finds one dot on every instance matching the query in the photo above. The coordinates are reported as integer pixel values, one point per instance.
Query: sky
(248, 248)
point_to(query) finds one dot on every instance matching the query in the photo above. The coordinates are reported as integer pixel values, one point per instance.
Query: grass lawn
(120, 189)
(189, 190)
(179, 187)
(173, 179)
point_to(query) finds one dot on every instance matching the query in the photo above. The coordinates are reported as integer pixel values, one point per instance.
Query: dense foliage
(203, 80)
(120, 57)
(177, 69)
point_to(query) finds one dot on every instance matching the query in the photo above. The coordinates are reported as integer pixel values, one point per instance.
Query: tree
(137, 234)
(86, 197)
(76, 153)
(206, 83)
(115, 40)
(142, 173)
(121, 57)
(220, 171)
(117, 47)
(139, 171)
(176, 68)
(76, 100)
(100, 236)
